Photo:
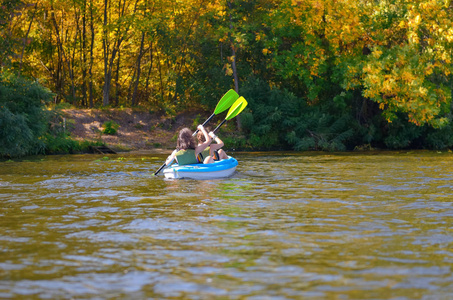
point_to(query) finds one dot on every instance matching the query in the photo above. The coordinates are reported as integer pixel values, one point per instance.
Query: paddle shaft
(205, 122)
(161, 167)
(219, 125)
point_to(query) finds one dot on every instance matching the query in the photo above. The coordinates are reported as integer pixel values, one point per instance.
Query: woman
(187, 151)
(214, 151)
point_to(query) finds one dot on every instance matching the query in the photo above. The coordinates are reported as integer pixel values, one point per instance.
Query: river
(374, 225)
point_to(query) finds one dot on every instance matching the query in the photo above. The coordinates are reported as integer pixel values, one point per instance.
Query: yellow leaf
(413, 38)
(423, 91)
(377, 53)
(228, 70)
(418, 19)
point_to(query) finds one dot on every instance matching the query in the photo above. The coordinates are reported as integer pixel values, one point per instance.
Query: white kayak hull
(219, 169)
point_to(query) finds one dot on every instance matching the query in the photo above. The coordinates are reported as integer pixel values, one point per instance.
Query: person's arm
(219, 142)
(206, 143)
(171, 157)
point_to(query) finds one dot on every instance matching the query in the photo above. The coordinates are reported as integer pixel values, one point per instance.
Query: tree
(22, 116)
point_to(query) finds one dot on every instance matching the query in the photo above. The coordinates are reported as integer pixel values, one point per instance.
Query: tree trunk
(109, 61)
(26, 38)
(84, 58)
(161, 81)
(107, 73)
(62, 56)
(233, 65)
(138, 64)
(59, 76)
(150, 67)
(71, 61)
(117, 80)
(90, 70)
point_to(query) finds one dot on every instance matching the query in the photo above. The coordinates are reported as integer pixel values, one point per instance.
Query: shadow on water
(285, 226)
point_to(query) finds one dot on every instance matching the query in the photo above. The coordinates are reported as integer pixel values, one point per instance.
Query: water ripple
(285, 226)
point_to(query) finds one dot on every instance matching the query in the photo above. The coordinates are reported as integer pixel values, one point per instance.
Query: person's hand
(212, 134)
(200, 127)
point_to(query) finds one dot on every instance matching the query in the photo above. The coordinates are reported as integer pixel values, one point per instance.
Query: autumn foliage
(383, 68)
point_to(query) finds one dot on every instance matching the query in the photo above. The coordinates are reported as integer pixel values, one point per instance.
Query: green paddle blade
(236, 108)
(226, 101)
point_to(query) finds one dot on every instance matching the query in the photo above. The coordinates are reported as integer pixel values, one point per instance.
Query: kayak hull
(219, 169)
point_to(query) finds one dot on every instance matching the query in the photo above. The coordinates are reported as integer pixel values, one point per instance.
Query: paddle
(235, 110)
(225, 102)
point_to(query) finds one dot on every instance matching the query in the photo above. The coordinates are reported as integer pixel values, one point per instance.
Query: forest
(330, 75)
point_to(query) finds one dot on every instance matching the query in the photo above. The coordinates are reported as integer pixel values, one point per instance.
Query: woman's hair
(185, 140)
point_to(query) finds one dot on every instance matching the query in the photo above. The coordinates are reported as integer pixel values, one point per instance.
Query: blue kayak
(219, 169)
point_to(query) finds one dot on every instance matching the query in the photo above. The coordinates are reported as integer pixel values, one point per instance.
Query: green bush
(440, 139)
(63, 144)
(60, 144)
(320, 131)
(23, 118)
(110, 127)
(277, 119)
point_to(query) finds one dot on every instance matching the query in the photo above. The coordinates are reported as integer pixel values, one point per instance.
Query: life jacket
(205, 153)
(186, 157)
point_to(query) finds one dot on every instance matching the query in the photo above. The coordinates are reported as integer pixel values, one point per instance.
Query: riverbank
(138, 130)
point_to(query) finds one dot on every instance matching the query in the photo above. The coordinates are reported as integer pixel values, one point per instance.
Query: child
(187, 151)
(213, 151)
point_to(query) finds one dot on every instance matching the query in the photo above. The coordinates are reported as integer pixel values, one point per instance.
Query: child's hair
(200, 136)
(185, 140)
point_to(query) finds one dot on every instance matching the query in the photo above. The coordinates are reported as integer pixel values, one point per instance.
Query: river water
(285, 226)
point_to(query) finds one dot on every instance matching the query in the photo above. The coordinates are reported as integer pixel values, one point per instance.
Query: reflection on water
(285, 226)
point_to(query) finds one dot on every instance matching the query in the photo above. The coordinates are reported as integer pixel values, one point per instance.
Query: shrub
(110, 127)
(277, 119)
(23, 118)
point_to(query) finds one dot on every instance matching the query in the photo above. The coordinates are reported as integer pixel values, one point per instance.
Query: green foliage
(402, 134)
(61, 144)
(277, 119)
(309, 69)
(26, 127)
(234, 142)
(8, 41)
(266, 112)
(110, 127)
(196, 121)
(23, 119)
(440, 139)
(318, 130)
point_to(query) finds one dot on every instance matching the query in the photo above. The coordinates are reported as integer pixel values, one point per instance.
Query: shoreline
(138, 130)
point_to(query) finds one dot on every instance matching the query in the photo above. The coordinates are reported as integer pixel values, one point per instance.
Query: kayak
(219, 169)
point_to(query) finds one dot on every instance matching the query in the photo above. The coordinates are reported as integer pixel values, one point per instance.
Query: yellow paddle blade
(237, 107)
